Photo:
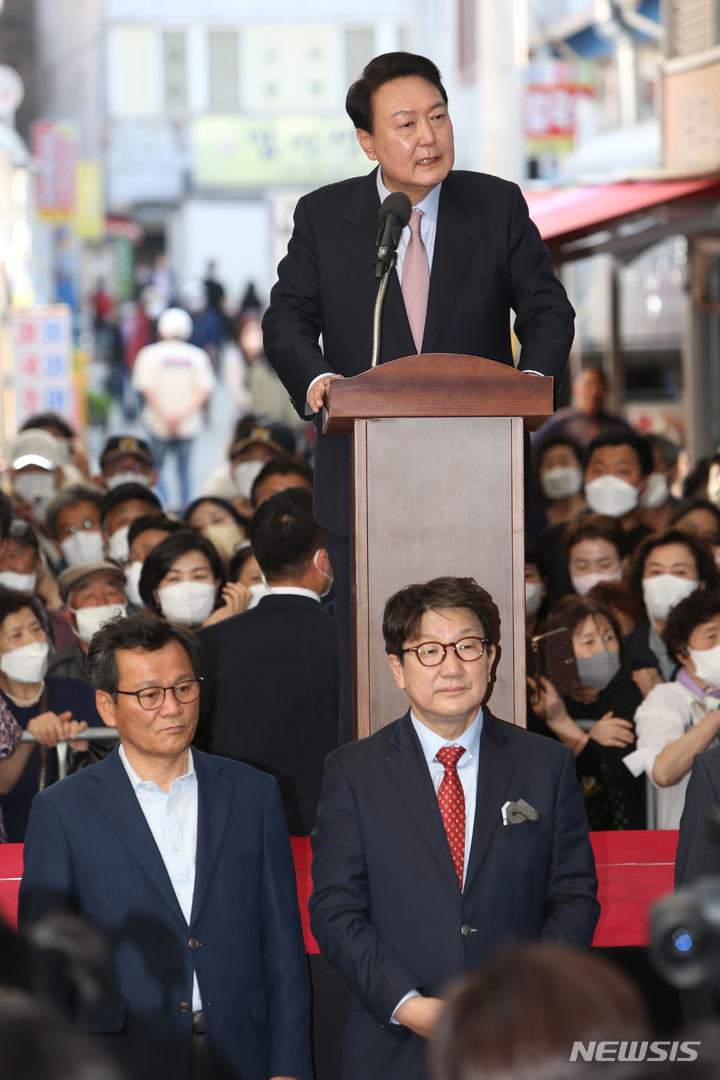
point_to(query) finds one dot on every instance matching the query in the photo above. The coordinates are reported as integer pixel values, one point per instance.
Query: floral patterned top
(10, 732)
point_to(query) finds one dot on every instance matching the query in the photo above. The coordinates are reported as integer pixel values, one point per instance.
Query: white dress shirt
(172, 816)
(467, 768)
(292, 590)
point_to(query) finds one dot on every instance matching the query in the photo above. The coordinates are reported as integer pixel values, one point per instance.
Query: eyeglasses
(432, 653)
(86, 524)
(152, 697)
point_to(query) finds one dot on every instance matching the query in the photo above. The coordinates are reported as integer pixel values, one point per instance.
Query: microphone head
(397, 203)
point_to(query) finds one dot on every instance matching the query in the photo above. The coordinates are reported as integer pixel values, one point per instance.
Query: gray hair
(68, 497)
(144, 631)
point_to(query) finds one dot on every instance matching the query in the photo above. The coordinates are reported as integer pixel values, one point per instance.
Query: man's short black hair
(383, 69)
(559, 440)
(285, 535)
(282, 466)
(49, 421)
(144, 631)
(405, 609)
(155, 521)
(620, 437)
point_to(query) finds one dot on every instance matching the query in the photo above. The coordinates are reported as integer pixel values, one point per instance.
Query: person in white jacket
(680, 719)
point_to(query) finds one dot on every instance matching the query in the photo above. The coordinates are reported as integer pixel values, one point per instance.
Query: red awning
(563, 214)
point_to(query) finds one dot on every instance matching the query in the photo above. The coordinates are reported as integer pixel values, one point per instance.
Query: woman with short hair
(681, 718)
(184, 579)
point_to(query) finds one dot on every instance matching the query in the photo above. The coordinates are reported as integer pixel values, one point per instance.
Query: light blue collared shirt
(467, 768)
(428, 224)
(172, 816)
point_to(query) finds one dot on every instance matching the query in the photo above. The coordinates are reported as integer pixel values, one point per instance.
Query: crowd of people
(622, 555)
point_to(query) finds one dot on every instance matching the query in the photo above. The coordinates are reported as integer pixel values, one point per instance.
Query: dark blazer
(270, 696)
(698, 856)
(488, 258)
(386, 908)
(89, 849)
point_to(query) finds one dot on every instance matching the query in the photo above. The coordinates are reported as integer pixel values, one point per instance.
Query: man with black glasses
(183, 862)
(442, 837)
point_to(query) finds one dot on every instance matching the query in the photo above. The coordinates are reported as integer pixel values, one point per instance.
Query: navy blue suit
(90, 849)
(386, 908)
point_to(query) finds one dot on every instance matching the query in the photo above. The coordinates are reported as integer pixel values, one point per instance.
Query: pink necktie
(416, 280)
(451, 799)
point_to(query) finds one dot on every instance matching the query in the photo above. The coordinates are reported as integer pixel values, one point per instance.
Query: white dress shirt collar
(138, 781)
(292, 590)
(429, 205)
(431, 743)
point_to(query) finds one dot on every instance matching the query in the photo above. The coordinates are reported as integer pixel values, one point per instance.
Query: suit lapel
(411, 773)
(459, 229)
(359, 229)
(118, 802)
(495, 768)
(214, 799)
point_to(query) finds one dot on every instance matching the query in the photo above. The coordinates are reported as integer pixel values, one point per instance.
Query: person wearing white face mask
(251, 452)
(680, 719)
(36, 472)
(184, 579)
(73, 521)
(218, 520)
(119, 508)
(127, 460)
(535, 587)
(665, 569)
(281, 659)
(61, 708)
(614, 799)
(594, 549)
(657, 504)
(559, 470)
(617, 467)
(92, 593)
(22, 568)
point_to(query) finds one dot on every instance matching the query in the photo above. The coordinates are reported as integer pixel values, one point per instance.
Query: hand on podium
(318, 392)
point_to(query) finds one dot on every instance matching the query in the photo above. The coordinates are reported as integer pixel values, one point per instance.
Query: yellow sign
(279, 151)
(89, 217)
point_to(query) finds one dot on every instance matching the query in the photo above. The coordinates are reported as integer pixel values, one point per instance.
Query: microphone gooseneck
(394, 215)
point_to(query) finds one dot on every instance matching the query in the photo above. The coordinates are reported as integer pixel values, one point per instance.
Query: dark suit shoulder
(265, 616)
(483, 184)
(237, 772)
(335, 196)
(523, 743)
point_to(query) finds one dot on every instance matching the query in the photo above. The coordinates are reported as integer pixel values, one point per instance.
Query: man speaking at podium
(468, 256)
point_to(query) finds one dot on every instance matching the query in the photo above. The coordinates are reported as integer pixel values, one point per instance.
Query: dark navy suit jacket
(488, 259)
(90, 849)
(386, 908)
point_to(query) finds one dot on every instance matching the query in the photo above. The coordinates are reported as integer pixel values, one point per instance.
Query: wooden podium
(437, 476)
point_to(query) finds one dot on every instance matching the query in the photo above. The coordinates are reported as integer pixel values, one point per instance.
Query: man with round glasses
(183, 862)
(443, 836)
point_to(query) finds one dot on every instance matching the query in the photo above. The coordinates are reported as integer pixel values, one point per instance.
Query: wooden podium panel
(437, 496)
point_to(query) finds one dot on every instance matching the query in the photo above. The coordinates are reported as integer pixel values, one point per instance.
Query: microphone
(394, 215)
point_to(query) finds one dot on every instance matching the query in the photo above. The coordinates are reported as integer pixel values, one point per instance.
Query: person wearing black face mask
(596, 721)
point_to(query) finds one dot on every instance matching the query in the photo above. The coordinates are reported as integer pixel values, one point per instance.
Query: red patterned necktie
(451, 799)
(416, 280)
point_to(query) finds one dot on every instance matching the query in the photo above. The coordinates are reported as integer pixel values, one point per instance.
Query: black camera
(685, 940)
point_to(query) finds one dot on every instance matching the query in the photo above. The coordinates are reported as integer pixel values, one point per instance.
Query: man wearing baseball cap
(92, 593)
(262, 443)
(35, 473)
(127, 460)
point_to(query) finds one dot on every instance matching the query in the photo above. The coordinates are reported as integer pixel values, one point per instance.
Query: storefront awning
(579, 221)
